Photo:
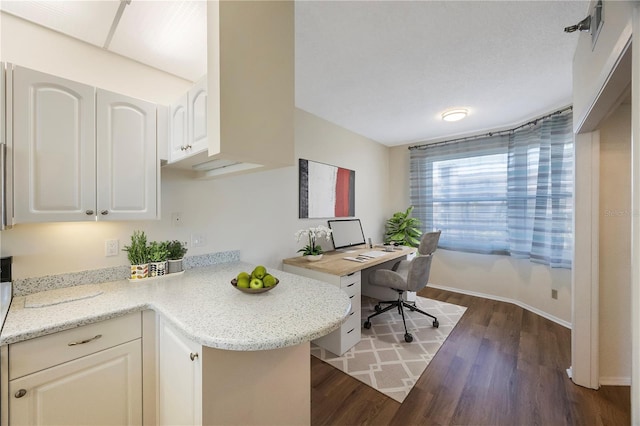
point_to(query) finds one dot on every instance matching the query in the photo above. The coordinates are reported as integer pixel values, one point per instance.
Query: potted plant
(157, 254)
(313, 251)
(401, 229)
(137, 254)
(177, 250)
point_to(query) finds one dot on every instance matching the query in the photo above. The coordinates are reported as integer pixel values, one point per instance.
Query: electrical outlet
(111, 248)
(554, 294)
(176, 219)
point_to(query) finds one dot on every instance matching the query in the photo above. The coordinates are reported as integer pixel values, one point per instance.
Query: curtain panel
(507, 194)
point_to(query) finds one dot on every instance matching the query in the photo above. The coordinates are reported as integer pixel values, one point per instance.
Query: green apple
(269, 280)
(259, 272)
(243, 282)
(256, 283)
(243, 275)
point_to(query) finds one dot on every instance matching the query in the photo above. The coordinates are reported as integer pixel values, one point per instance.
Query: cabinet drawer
(46, 351)
(349, 279)
(352, 289)
(350, 331)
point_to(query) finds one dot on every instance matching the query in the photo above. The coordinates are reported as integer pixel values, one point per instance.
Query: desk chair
(412, 275)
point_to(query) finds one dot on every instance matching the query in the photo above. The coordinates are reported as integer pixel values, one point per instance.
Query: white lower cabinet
(90, 375)
(179, 378)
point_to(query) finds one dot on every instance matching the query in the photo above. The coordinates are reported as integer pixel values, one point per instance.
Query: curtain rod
(489, 134)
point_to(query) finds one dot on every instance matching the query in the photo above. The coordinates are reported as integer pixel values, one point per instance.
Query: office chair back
(418, 274)
(429, 242)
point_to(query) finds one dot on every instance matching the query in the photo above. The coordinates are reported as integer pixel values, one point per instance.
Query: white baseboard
(615, 381)
(536, 311)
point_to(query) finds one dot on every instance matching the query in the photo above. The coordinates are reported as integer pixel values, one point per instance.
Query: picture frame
(325, 191)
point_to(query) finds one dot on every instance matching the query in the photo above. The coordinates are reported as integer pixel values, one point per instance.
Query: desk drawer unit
(349, 333)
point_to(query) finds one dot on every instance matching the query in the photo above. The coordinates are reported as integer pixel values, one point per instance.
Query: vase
(175, 265)
(313, 257)
(157, 269)
(139, 271)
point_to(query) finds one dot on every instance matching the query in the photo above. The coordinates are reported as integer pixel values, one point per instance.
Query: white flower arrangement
(313, 234)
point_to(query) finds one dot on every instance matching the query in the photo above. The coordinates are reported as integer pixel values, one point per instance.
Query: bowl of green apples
(258, 281)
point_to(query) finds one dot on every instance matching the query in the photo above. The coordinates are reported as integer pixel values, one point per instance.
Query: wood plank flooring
(501, 365)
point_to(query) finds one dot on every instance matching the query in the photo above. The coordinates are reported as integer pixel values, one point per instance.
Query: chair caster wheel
(408, 338)
(367, 324)
(412, 309)
(436, 324)
(377, 308)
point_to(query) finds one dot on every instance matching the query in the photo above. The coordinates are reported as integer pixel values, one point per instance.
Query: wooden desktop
(352, 277)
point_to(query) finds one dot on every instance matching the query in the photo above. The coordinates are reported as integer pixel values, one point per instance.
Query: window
(508, 194)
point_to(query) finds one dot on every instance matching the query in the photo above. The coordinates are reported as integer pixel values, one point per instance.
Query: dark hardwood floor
(501, 365)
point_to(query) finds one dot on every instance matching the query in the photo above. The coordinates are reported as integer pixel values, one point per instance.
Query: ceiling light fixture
(454, 114)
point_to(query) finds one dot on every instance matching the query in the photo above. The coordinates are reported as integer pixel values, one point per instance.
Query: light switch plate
(111, 248)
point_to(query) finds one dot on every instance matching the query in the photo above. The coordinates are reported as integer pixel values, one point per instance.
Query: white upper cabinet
(127, 159)
(188, 123)
(178, 135)
(78, 157)
(54, 148)
(198, 116)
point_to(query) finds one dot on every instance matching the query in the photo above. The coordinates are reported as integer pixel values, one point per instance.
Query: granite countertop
(200, 302)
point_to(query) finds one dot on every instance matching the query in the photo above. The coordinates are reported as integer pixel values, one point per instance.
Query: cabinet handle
(104, 212)
(193, 356)
(351, 285)
(188, 147)
(183, 148)
(82, 342)
(350, 330)
(20, 393)
(88, 212)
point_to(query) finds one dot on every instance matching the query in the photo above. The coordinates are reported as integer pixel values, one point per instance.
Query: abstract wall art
(325, 190)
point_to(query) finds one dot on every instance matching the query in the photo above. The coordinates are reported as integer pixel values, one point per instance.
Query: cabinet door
(197, 113)
(127, 160)
(178, 133)
(179, 378)
(100, 389)
(53, 148)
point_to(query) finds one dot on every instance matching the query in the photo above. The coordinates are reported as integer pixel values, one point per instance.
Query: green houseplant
(137, 253)
(177, 250)
(157, 254)
(402, 229)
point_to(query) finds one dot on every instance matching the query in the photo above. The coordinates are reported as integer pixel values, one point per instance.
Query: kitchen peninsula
(250, 351)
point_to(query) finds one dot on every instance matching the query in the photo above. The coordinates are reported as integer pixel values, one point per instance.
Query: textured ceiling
(387, 70)
(382, 69)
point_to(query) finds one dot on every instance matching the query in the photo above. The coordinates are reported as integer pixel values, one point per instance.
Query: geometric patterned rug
(382, 359)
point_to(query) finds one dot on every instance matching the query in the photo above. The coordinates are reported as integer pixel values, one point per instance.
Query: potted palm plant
(402, 229)
(177, 250)
(157, 254)
(138, 255)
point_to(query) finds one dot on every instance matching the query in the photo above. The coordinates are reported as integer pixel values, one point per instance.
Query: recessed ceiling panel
(85, 20)
(169, 35)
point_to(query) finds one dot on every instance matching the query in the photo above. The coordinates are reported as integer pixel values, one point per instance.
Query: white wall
(500, 277)
(615, 248)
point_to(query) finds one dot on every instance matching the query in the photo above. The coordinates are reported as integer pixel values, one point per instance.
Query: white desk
(352, 277)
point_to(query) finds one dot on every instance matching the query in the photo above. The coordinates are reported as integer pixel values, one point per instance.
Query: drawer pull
(351, 285)
(193, 356)
(82, 342)
(350, 274)
(350, 330)
(20, 393)
(351, 297)
(352, 313)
